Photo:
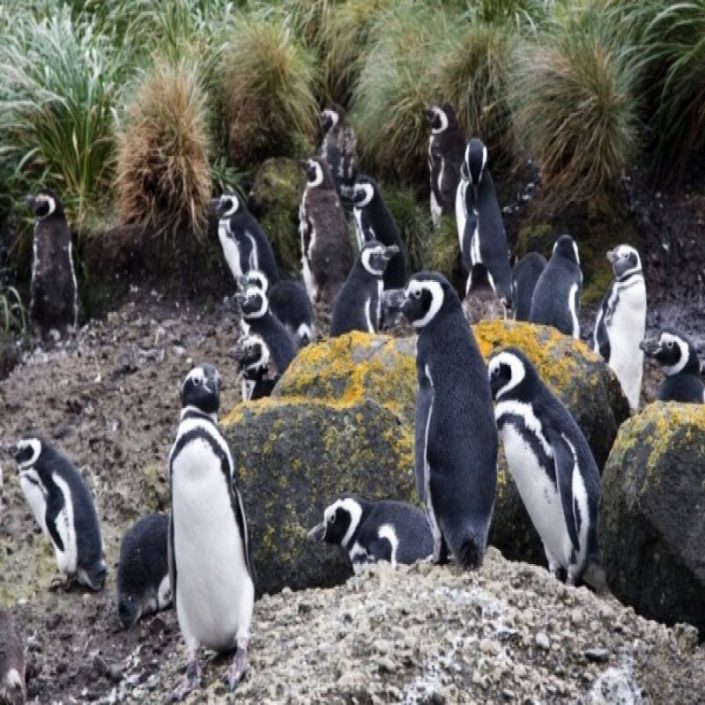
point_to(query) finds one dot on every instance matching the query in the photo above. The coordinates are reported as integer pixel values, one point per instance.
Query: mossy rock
(652, 514)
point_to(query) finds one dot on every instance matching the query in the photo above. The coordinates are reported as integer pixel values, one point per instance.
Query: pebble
(542, 641)
(597, 655)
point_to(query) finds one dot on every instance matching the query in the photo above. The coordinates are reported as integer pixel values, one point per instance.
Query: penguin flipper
(238, 508)
(170, 559)
(602, 341)
(449, 181)
(564, 461)
(54, 506)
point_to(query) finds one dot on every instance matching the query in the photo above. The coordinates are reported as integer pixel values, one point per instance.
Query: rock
(542, 641)
(652, 514)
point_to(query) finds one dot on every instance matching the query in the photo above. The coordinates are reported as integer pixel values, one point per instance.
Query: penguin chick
(252, 355)
(396, 532)
(12, 662)
(359, 304)
(525, 274)
(63, 508)
(53, 305)
(143, 570)
(677, 356)
(339, 150)
(481, 302)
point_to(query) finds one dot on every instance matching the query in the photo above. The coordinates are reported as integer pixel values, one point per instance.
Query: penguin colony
(200, 560)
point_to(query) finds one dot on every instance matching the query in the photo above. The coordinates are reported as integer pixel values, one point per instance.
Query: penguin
(386, 530)
(252, 355)
(260, 320)
(552, 466)
(12, 662)
(373, 221)
(143, 570)
(455, 434)
(446, 150)
(63, 508)
(244, 242)
(556, 298)
(359, 303)
(339, 150)
(326, 251)
(53, 305)
(621, 321)
(677, 356)
(210, 569)
(289, 303)
(481, 302)
(480, 225)
(525, 274)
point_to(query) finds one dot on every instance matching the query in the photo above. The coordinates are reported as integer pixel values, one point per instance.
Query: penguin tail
(469, 555)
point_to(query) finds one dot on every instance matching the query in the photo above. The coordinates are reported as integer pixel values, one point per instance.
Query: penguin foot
(63, 582)
(191, 682)
(238, 668)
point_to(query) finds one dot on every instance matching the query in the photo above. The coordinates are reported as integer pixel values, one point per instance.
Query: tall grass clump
(163, 173)
(269, 84)
(576, 108)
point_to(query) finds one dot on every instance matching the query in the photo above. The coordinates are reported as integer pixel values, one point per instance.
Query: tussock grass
(163, 173)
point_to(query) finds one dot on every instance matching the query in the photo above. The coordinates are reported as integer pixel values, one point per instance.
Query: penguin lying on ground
(12, 662)
(143, 569)
(375, 531)
(210, 568)
(339, 149)
(676, 355)
(63, 508)
(481, 302)
(252, 355)
(552, 466)
(525, 274)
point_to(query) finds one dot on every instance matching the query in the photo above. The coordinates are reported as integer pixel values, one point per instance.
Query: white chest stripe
(386, 531)
(526, 412)
(188, 425)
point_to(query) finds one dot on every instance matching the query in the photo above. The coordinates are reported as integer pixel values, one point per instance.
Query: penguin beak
(650, 347)
(317, 533)
(392, 251)
(611, 257)
(13, 450)
(242, 282)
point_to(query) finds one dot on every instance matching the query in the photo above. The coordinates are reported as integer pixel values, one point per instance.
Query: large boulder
(652, 514)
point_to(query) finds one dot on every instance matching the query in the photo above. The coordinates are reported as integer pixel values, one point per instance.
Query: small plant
(13, 315)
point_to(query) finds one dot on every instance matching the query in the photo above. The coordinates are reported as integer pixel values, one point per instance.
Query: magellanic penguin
(483, 239)
(326, 251)
(677, 356)
(556, 299)
(456, 438)
(339, 149)
(63, 508)
(252, 355)
(373, 221)
(552, 466)
(525, 274)
(143, 569)
(390, 531)
(12, 662)
(212, 580)
(446, 150)
(359, 303)
(245, 245)
(621, 321)
(53, 305)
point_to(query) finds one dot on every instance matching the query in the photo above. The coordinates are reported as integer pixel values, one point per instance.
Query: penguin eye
(669, 344)
(417, 294)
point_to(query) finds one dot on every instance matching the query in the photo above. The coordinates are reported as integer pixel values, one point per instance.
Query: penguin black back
(525, 274)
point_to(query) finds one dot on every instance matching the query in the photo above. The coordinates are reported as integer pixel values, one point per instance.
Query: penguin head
(340, 522)
(201, 389)
(128, 610)
(375, 257)
(474, 162)
(255, 278)
(227, 205)
(625, 261)
(673, 351)
(331, 117)
(253, 302)
(317, 174)
(566, 247)
(364, 191)
(27, 451)
(440, 117)
(45, 204)
(511, 374)
(251, 352)
(424, 296)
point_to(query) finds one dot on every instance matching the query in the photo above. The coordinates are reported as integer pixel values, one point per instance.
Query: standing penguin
(456, 438)
(12, 662)
(556, 299)
(143, 569)
(677, 356)
(326, 252)
(252, 355)
(525, 274)
(63, 508)
(359, 303)
(483, 239)
(552, 466)
(245, 245)
(209, 552)
(373, 221)
(53, 306)
(339, 149)
(446, 149)
(621, 321)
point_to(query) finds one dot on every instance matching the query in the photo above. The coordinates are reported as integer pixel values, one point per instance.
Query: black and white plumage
(552, 466)
(244, 242)
(373, 221)
(12, 662)
(53, 305)
(483, 239)
(326, 251)
(446, 150)
(390, 531)
(556, 299)
(63, 508)
(339, 149)
(143, 569)
(359, 303)
(621, 321)
(456, 438)
(253, 359)
(679, 360)
(210, 570)
(525, 274)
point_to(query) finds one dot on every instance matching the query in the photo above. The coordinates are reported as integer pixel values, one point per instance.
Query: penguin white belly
(309, 283)
(230, 251)
(475, 256)
(386, 531)
(254, 256)
(36, 500)
(460, 216)
(540, 496)
(164, 593)
(436, 211)
(359, 232)
(214, 591)
(572, 307)
(67, 559)
(368, 316)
